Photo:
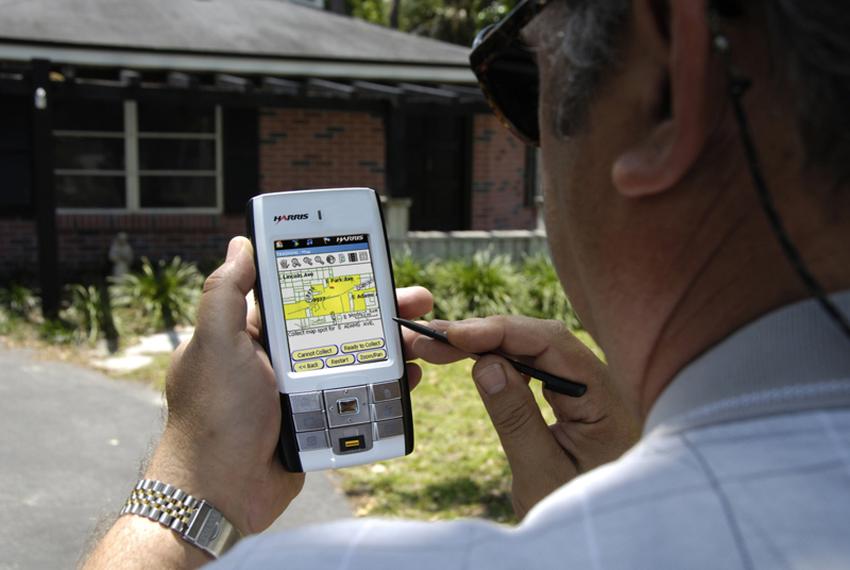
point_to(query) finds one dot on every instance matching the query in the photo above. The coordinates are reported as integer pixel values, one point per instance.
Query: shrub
(408, 271)
(87, 311)
(57, 331)
(165, 294)
(546, 295)
(482, 285)
(489, 285)
(18, 301)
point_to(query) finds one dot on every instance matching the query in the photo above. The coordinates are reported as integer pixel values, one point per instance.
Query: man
(741, 385)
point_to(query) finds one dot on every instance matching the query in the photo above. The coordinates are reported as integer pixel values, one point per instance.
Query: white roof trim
(235, 64)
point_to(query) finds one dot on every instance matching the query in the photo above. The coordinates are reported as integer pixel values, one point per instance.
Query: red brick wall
(84, 241)
(299, 148)
(18, 250)
(498, 178)
(302, 148)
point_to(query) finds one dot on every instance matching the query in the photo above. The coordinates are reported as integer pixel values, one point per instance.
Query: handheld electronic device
(326, 295)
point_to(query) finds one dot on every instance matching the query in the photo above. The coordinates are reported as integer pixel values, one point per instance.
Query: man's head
(654, 225)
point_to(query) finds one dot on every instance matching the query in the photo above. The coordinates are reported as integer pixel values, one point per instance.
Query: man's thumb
(512, 408)
(223, 308)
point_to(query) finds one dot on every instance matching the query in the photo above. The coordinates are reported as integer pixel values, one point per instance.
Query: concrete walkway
(71, 441)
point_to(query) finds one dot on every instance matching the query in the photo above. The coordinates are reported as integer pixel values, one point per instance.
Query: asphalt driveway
(71, 442)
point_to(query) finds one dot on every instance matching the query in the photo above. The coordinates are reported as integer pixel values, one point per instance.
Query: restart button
(335, 361)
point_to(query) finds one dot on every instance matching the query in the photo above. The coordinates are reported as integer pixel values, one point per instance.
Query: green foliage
(87, 310)
(486, 284)
(477, 287)
(18, 301)
(375, 11)
(57, 331)
(407, 271)
(165, 294)
(546, 296)
(455, 21)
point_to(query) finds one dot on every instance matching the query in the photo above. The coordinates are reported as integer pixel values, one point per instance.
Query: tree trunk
(337, 6)
(394, 13)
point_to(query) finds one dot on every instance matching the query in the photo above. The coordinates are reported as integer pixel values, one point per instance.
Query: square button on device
(352, 443)
(389, 428)
(387, 410)
(306, 402)
(385, 391)
(347, 406)
(310, 440)
(351, 439)
(309, 421)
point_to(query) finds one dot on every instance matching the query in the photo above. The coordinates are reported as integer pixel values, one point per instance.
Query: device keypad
(347, 420)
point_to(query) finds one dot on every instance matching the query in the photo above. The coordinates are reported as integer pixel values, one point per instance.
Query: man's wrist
(143, 542)
(172, 465)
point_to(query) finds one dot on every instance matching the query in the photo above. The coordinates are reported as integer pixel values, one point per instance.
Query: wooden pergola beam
(44, 191)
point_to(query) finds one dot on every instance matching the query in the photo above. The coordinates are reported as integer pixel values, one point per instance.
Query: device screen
(330, 302)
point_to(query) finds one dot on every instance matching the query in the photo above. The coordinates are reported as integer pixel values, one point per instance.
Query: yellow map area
(336, 296)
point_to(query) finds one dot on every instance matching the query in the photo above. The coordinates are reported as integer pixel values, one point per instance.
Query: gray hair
(810, 47)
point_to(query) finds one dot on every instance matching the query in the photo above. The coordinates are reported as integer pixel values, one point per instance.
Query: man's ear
(675, 137)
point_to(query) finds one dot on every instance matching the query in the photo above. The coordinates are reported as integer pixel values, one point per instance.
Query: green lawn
(457, 468)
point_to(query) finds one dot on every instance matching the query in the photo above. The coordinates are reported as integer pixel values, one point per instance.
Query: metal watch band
(195, 520)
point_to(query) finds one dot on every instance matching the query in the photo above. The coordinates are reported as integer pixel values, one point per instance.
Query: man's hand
(588, 431)
(220, 440)
(223, 404)
(223, 407)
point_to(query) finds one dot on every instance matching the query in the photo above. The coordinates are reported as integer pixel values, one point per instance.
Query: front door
(436, 171)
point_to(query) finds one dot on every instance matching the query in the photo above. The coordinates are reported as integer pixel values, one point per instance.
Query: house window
(532, 177)
(137, 157)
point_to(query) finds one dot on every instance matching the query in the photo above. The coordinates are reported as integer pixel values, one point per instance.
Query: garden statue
(120, 255)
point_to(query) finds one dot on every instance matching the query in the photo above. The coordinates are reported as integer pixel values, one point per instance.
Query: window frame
(132, 173)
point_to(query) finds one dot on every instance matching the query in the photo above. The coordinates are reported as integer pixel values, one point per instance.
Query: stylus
(550, 381)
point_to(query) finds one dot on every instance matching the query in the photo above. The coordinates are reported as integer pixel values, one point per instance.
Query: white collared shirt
(744, 463)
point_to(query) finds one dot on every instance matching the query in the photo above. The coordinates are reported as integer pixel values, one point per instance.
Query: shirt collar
(792, 359)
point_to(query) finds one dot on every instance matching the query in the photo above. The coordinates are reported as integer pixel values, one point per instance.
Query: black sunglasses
(507, 71)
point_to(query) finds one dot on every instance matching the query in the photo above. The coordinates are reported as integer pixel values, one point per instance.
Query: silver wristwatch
(195, 520)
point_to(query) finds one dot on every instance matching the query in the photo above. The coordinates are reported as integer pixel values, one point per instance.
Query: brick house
(161, 118)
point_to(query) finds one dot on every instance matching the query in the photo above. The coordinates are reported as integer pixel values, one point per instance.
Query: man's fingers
(522, 336)
(253, 321)
(546, 345)
(432, 351)
(413, 302)
(538, 463)
(223, 308)
(414, 375)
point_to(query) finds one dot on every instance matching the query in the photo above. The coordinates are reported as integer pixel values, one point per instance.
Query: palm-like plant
(546, 295)
(87, 311)
(166, 293)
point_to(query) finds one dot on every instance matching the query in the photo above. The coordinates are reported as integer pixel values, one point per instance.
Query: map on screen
(330, 302)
